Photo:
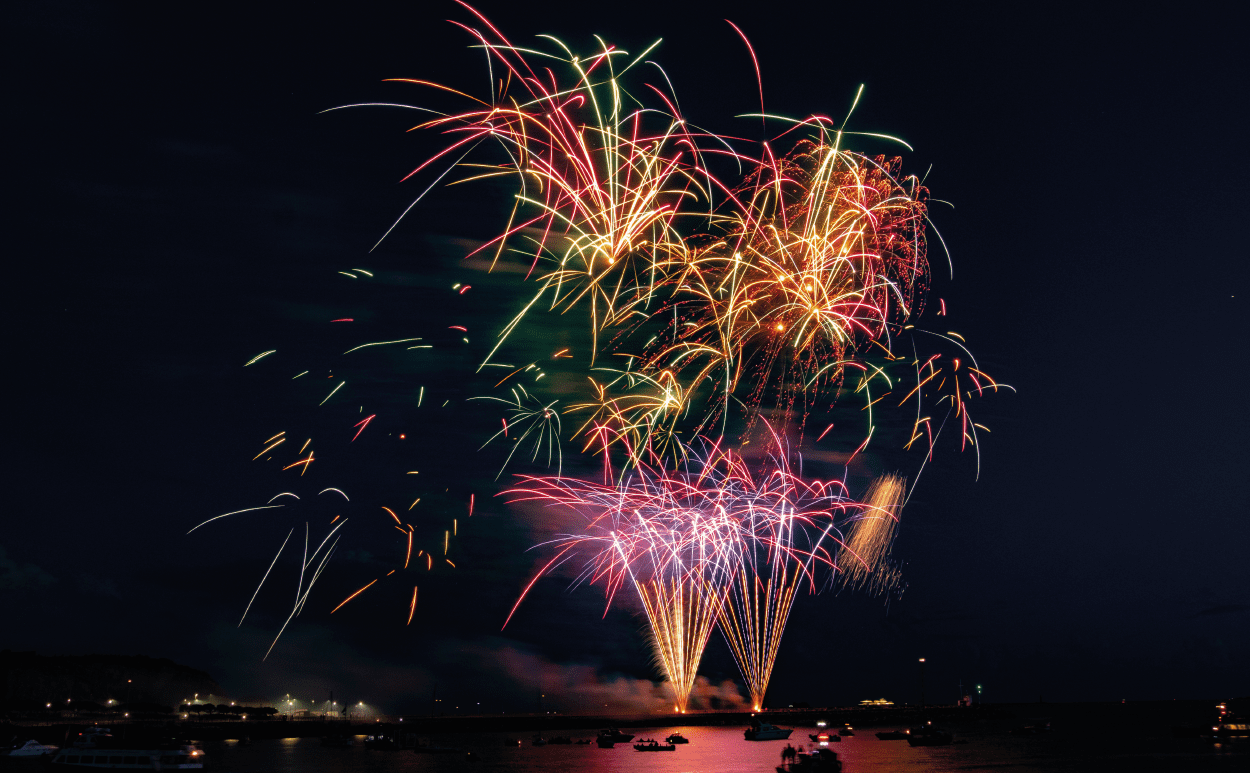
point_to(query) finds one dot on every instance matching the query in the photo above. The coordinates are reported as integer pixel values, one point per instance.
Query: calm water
(723, 750)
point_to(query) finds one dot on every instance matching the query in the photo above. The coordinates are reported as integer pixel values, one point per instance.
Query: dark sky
(180, 206)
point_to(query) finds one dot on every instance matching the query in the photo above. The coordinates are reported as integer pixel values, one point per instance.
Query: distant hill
(29, 676)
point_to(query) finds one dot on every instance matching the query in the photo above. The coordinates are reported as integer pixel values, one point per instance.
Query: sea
(983, 746)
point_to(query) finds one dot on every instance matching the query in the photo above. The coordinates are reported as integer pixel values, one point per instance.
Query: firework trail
(681, 538)
(601, 177)
(661, 534)
(795, 527)
(718, 295)
(863, 555)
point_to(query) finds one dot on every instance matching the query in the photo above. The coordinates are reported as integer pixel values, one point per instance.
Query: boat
(582, 741)
(605, 742)
(762, 731)
(32, 748)
(823, 737)
(676, 738)
(430, 748)
(1031, 729)
(96, 747)
(338, 741)
(816, 761)
(654, 746)
(893, 735)
(928, 735)
(381, 743)
(616, 735)
(538, 740)
(846, 731)
(1232, 723)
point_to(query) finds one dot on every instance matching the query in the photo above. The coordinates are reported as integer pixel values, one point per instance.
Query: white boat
(32, 749)
(180, 758)
(762, 731)
(97, 748)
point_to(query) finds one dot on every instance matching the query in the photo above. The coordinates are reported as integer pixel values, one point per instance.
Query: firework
(681, 539)
(795, 527)
(871, 534)
(601, 176)
(714, 308)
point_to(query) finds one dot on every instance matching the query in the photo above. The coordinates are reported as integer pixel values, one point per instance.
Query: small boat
(815, 761)
(32, 748)
(605, 742)
(381, 743)
(538, 740)
(762, 731)
(616, 735)
(676, 738)
(654, 746)
(430, 748)
(893, 735)
(846, 731)
(928, 735)
(823, 737)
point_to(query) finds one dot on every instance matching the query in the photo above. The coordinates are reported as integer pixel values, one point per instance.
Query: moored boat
(1031, 729)
(430, 748)
(823, 737)
(616, 735)
(32, 748)
(654, 746)
(817, 760)
(928, 735)
(96, 747)
(338, 741)
(762, 731)
(676, 738)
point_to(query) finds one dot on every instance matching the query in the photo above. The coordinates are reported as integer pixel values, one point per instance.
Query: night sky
(180, 206)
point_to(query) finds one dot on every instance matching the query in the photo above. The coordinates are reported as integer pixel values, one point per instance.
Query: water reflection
(723, 750)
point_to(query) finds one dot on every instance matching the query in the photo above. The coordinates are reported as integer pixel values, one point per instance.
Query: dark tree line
(223, 709)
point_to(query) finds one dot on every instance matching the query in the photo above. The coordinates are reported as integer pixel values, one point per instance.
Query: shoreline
(1177, 711)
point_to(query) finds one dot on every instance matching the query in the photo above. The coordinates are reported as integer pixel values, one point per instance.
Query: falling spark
(258, 357)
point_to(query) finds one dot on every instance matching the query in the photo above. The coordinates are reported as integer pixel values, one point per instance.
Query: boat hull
(775, 734)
